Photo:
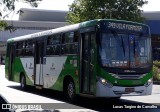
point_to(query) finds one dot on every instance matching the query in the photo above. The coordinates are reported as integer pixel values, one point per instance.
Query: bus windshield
(124, 50)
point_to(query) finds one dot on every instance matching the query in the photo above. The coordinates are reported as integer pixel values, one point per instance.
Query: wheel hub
(70, 90)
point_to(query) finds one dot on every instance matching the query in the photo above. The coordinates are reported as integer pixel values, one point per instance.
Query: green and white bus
(97, 58)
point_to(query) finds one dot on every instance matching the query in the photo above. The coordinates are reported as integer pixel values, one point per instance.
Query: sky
(153, 5)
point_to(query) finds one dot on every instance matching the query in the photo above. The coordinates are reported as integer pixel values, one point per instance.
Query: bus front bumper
(117, 91)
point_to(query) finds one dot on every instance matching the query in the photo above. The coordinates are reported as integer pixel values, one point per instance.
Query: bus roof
(44, 33)
(94, 22)
(67, 28)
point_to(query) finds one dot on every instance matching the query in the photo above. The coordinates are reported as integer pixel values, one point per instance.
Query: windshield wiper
(113, 32)
(123, 45)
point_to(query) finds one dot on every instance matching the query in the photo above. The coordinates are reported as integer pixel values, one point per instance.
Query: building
(153, 20)
(31, 21)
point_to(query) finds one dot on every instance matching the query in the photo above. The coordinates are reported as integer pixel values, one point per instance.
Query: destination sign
(124, 26)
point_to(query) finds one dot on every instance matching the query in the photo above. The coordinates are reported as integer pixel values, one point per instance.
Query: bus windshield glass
(124, 50)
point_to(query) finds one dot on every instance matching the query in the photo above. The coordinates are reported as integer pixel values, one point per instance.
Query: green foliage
(156, 70)
(82, 10)
(156, 63)
(9, 5)
(3, 25)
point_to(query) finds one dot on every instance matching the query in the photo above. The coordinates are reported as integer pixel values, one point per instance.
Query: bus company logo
(136, 82)
(129, 71)
(30, 67)
(52, 67)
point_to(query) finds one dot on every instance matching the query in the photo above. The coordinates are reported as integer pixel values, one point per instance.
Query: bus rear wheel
(23, 82)
(70, 90)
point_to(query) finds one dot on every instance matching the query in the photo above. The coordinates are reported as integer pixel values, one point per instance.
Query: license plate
(129, 90)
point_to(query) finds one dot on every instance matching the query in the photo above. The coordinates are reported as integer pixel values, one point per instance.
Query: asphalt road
(12, 93)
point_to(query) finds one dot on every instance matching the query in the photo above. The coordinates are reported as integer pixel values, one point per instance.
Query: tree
(9, 6)
(82, 10)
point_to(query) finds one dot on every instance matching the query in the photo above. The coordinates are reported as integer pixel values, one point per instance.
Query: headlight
(105, 82)
(148, 82)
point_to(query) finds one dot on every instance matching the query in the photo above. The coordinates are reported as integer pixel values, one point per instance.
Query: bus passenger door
(87, 63)
(11, 61)
(39, 52)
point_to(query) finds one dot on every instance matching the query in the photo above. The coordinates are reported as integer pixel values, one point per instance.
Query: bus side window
(76, 36)
(63, 38)
(70, 43)
(57, 39)
(19, 49)
(49, 40)
(28, 48)
(65, 41)
(63, 44)
(53, 45)
(75, 43)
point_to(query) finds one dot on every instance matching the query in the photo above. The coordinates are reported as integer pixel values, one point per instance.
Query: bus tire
(70, 90)
(23, 82)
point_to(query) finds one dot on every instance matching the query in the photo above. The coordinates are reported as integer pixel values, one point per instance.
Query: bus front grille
(129, 76)
(123, 92)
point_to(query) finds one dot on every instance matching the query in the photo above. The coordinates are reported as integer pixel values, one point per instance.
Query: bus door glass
(88, 59)
(11, 60)
(39, 52)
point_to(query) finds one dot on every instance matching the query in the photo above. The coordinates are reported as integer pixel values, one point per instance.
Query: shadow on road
(97, 104)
